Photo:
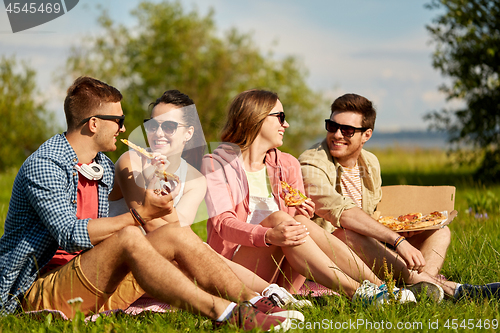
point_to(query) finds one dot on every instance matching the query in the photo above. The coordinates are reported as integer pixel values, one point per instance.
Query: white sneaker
(369, 293)
(283, 298)
(432, 290)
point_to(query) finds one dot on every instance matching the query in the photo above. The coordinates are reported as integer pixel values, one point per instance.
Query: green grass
(473, 257)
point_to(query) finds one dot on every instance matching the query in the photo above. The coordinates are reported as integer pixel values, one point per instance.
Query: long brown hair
(245, 116)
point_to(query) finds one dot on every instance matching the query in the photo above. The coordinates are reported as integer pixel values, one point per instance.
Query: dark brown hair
(84, 98)
(193, 152)
(358, 104)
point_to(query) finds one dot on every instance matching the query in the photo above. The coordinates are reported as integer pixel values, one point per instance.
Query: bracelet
(398, 241)
(137, 217)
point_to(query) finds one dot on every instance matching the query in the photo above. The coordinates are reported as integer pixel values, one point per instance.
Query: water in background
(407, 139)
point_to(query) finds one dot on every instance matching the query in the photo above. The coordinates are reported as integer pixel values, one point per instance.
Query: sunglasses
(346, 130)
(280, 115)
(168, 127)
(121, 119)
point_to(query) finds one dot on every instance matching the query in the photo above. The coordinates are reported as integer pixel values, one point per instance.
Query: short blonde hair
(245, 116)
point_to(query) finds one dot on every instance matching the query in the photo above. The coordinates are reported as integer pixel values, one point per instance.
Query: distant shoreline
(408, 139)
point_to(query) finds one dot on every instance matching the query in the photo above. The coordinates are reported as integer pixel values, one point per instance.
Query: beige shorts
(54, 289)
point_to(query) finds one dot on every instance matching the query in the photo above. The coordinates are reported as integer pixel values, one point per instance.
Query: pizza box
(405, 199)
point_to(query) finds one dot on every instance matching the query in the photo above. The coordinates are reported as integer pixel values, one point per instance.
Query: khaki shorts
(54, 289)
(127, 292)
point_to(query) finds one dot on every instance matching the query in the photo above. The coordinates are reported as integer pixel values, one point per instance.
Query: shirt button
(74, 173)
(74, 160)
(74, 201)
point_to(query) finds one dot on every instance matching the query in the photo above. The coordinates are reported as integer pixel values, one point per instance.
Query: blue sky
(377, 48)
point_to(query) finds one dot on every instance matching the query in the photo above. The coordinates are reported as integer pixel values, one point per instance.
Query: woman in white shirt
(176, 139)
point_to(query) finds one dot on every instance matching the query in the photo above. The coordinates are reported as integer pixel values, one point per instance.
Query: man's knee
(443, 236)
(128, 238)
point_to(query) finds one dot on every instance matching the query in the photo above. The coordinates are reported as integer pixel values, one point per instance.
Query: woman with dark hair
(251, 225)
(175, 137)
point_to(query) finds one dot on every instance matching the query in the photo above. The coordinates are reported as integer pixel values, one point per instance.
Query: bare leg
(128, 250)
(200, 263)
(341, 254)
(129, 290)
(290, 279)
(249, 278)
(373, 252)
(307, 259)
(433, 244)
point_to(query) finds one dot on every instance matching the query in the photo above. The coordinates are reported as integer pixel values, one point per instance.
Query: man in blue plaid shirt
(60, 204)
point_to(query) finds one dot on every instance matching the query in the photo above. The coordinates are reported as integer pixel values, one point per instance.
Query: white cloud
(379, 50)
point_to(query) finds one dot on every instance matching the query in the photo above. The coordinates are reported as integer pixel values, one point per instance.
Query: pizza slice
(412, 217)
(291, 196)
(391, 223)
(412, 221)
(428, 220)
(170, 181)
(138, 149)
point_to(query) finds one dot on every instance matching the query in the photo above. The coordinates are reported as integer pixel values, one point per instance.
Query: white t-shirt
(262, 202)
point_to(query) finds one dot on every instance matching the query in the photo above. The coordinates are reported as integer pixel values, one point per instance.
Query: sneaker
(369, 293)
(490, 290)
(283, 298)
(246, 316)
(268, 306)
(432, 290)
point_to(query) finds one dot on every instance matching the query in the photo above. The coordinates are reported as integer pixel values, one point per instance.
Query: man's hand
(287, 233)
(413, 257)
(307, 208)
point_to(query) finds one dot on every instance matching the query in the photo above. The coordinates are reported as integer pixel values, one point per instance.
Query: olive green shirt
(321, 173)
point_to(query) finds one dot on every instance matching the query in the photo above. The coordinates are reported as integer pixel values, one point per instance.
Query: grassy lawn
(473, 257)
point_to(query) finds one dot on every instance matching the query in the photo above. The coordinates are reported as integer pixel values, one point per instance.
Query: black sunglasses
(280, 115)
(121, 119)
(168, 127)
(346, 130)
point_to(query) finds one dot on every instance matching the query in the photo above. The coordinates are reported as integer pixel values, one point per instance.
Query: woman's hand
(287, 233)
(159, 162)
(306, 209)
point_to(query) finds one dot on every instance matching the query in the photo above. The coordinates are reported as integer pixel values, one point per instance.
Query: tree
(173, 49)
(467, 38)
(25, 122)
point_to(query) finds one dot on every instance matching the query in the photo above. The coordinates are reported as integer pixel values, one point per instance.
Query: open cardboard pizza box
(404, 199)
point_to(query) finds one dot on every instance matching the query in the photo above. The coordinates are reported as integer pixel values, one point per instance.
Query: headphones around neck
(92, 171)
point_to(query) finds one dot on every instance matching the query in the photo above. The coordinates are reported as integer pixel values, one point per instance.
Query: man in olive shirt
(344, 182)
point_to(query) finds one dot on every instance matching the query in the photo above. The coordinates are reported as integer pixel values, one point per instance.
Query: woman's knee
(275, 219)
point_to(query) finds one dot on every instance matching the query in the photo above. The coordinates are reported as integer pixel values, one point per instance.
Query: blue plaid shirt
(42, 216)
